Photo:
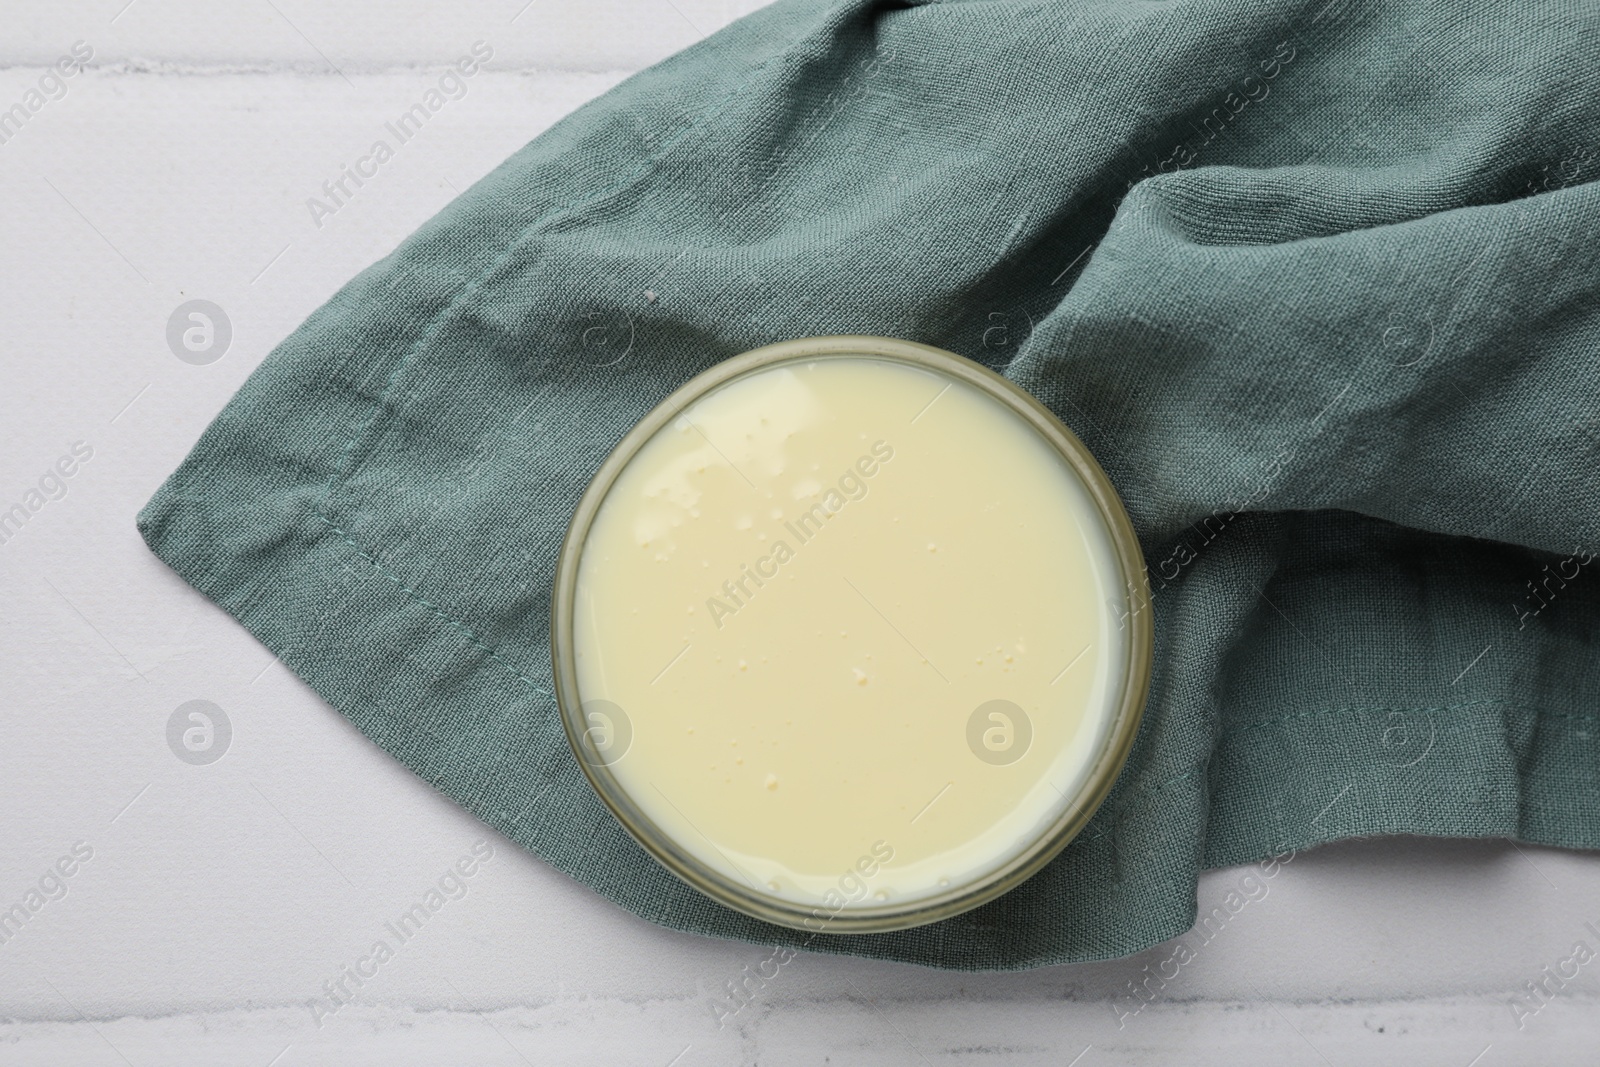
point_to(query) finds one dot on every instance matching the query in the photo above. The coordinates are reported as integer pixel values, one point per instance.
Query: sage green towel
(1316, 281)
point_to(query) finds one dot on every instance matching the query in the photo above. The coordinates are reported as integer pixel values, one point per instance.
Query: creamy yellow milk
(845, 628)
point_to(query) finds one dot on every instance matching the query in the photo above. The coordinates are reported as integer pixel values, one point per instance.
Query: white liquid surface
(800, 592)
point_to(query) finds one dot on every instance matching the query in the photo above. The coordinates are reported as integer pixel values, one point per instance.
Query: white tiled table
(219, 899)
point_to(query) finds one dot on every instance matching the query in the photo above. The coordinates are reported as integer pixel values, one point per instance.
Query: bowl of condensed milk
(851, 634)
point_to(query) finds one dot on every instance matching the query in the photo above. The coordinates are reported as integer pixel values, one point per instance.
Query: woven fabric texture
(1316, 282)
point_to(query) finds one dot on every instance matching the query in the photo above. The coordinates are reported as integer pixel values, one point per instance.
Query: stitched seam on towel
(1229, 735)
(346, 465)
(1232, 735)
(477, 642)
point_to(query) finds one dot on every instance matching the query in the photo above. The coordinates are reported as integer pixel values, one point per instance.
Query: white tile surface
(363, 35)
(220, 898)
